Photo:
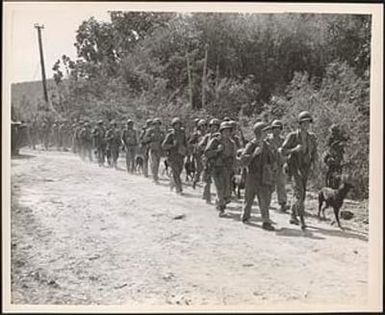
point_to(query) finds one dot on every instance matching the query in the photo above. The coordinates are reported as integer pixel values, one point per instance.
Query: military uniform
(260, 162)
(301, 148)
(275, 142)
(154, 137)
(144, 148)
(98, 135)
(220, 152)
(175, 144)
(207, 165)
(197, 151)
(113, 141)
(130, 141)
(85, 138)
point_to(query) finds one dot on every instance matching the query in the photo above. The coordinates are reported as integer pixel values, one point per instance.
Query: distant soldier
(300, 147)
(155, 137)
(175, 144)
(113, 141)
(221, 151)
(55, 134)
(44, 134)
(99, 144)
(74, 142)
(259, 160)
(197, 151)
(130, 142)
(334, 156)
(85, 139)
(275, 141)
(207, 163)
(144, 148)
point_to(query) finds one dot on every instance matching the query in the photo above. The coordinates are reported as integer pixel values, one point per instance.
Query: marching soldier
(98, 135)
(44, 134)
(144, 146)
(113, 141)
(275, 141)
(154, 138)
(55, 134)
(85, 139)
(260, 163)
(130, 142)
(221, 150)
(175, 144)
(197, 151)
(207, 164)
(300, 147)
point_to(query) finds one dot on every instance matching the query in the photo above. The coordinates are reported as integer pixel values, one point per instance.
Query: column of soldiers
(218, 150)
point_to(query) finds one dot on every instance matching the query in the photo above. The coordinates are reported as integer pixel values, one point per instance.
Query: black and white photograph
(192, 157)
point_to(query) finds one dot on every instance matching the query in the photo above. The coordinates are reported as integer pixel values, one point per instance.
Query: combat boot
(267, 226)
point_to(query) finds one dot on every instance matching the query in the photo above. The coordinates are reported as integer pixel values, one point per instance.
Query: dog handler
(300, 147)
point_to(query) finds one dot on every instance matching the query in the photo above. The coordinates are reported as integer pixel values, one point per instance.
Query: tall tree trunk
(189, 81)
(204, 77)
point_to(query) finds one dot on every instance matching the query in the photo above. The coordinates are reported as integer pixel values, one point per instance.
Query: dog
(333, 198)
(139, 160)
(190, 169)
(239, 181)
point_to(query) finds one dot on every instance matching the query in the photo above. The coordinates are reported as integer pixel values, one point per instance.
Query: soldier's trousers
(219, 177)
(206, 176)
(130, 158)
(155, 161)
(300, 181)
(263, 193)
(199, 168)
(114, 155)
(100, 155)
(145, 161)
(176, 164)
(280, 186)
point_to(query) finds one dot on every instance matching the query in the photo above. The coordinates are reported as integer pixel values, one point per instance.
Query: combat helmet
(277, 124)
(175, 121)
(260, 126)
(202, 122)
(156, 121)
(214, 121)
(225, 125)
(305, 116)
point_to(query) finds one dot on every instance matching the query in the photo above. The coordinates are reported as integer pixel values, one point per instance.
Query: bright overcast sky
(58, 36)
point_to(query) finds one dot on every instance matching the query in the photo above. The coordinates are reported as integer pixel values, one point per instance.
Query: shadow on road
(340, 233)
(22, 156)
(297, 233)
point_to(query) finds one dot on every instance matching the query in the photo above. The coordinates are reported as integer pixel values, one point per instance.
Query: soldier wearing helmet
(113, 141)
(275, 141)
(154, 137)
(175, 146)
(144, 149)
(130, 142)
(300, 148)
(99, 144)
(220, 152)
(260, 162)
(194, 140)
(85, 140)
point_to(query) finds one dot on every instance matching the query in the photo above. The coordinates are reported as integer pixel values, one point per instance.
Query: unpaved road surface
(88, 235)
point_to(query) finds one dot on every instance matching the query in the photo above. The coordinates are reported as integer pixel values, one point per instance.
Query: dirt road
(88, 235)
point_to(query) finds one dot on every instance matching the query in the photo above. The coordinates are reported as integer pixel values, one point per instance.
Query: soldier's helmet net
(305, 116)
(225, 125)
(260, 126)
(202, 123)
(175, 121)
(157, 121)
(130, 122)
(214, 122)
(277, 124)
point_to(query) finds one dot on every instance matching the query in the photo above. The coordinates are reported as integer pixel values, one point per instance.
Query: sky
(58, 37)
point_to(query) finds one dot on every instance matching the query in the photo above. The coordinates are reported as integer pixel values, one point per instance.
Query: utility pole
(204, 78)
(39, 28)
